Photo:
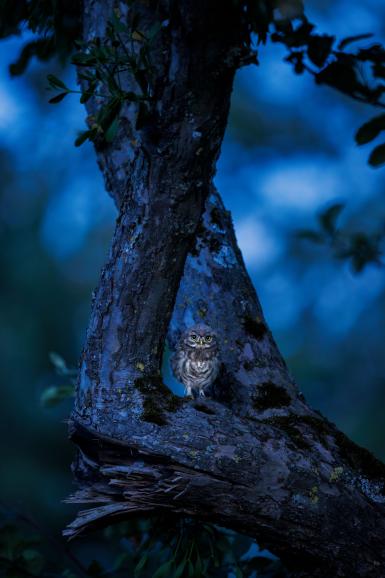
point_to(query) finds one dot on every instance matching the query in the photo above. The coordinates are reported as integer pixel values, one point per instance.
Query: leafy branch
(359, 248)
(103, 65)
(359, 74)
(141, 548)
(55, 394)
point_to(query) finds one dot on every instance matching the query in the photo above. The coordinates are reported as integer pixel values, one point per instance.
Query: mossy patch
(336, 474)
(313, 495)
(157, 399)
(213, 244)
(254, 326)
(321, 426)
(215, 216)
(289, 424)
(205, 238)
(360, 458)
(270, 395)
(152, 412)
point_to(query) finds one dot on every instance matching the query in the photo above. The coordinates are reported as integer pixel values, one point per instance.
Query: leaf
(340, 75)
(112, 130)
(56, 394)
(57, 98)
(377, 156)
(58, 362)
(328, 218)
(179, 570)
(238, 572)
(198, 565)
(138, 36)
(363, 250)
(140, 565)
(120, 560)
(117, 24)
(379, 70)
(86, 95)
(164, 570)
(370, 130)
(349, 39)
(310, 235)
(56, 82)
(33, 561)
(319, 49)
(84, 59)
(154, 31)
(82, 137)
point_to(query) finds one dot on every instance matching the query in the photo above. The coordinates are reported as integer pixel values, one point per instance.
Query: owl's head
(200, 337)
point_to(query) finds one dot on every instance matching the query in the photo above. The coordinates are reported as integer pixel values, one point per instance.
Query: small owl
(196, 362)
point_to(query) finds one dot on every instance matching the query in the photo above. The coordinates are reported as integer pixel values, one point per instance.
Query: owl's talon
(202, 393)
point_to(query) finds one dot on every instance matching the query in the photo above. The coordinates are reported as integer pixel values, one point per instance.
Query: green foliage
(359, 74)
(182, 548)
(367, 133)
(55, 394)
(360, 249)
(260, 15)
(56, 24)
(103, 65)
(157, 548)
(125, 50)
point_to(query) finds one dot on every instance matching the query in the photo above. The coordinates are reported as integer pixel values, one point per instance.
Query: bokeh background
(289, 152)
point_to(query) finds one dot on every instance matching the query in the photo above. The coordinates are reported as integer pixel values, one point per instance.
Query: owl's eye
(208, 338)
(194, 337)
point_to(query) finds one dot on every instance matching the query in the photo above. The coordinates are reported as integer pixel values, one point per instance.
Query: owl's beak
(201, 340)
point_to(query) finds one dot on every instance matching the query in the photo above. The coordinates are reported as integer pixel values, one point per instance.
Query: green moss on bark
(254, 327)
(158, 399)
(270, 395)
(289, 424)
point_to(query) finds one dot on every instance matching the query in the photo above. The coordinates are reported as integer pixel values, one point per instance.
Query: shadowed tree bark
(255, 458)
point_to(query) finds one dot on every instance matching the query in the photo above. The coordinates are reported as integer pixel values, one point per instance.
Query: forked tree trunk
(256, 458)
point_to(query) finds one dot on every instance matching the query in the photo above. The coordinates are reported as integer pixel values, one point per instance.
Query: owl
(196, 360)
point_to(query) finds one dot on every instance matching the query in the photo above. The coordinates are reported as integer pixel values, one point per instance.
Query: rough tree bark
(256, 458)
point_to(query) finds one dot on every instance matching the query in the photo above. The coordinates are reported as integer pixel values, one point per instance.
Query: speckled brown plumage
(196, 360)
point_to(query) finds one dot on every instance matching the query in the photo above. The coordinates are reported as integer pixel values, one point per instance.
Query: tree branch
(256, 458)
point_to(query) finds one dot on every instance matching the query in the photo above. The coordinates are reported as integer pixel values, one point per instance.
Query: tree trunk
(256, 458)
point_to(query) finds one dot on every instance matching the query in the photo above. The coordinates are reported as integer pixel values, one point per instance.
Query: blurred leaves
(377, 156)
(125, 49)
(60, 365)
(19, 554)
(328, 218)
(368, 132)
(360, 249)
(181, 548)
(155, 548)
(358, 73)
(56, 25)
(55, 394)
